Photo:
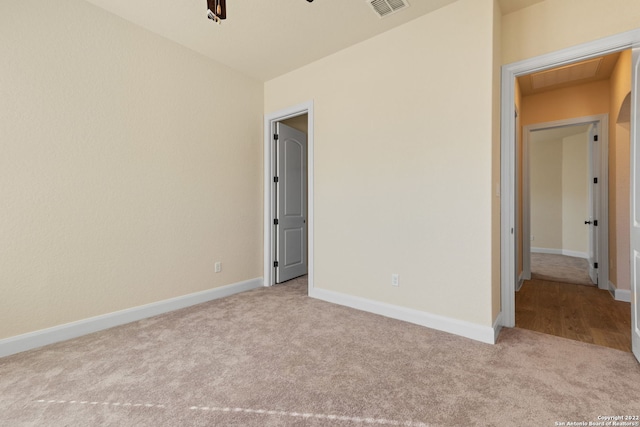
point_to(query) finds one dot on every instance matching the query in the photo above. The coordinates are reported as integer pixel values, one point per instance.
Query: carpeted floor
(274, 357)
(560, 268)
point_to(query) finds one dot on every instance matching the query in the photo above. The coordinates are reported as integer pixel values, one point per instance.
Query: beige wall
(545, 186)
(495, 178)
(557, 24)
(619, 176)
(403, 163)
(127, 169)
(559, 192)
(576, 101)
(621, 258)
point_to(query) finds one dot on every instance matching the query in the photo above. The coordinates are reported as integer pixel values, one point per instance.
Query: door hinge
(595, 180)
(275, 263)
(275, 221)
(276, 179)
(595, 138)
(595, 265)
(595, 223)
(275, 136)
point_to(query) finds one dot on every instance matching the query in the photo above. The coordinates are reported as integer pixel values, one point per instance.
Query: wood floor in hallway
(581, 313)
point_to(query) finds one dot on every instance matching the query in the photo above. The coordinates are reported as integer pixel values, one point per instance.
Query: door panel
(293, 240)
(291, 206)
(635, 205)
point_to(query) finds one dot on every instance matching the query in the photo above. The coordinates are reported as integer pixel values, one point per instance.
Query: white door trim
(509, 275)
(634, 202)
(602, 121)
(269, 202)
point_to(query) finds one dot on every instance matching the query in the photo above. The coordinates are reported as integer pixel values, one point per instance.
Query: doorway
(291, 201)
(565, 235)
(565, 201)
(299, 119)
(509, 165)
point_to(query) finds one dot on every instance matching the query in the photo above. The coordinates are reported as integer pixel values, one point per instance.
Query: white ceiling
(264, 39)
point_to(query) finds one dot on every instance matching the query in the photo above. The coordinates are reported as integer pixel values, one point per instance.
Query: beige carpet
(274, 357)
(560, 268)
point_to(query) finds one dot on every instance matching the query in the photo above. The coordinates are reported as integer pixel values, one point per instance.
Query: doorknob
(587, 222)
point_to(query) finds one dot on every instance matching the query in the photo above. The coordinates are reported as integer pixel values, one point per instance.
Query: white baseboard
(620, 294)
(565, 252)
(497, 327)
(520, 282)
(20, 343)
(485, 334)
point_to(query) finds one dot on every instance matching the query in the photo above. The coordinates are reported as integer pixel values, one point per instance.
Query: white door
(291, 203)
(635, 205)
(594, 201)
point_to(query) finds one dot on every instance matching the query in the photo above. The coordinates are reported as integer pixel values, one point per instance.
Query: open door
(291, 203)
(635, 205)
(594, 201)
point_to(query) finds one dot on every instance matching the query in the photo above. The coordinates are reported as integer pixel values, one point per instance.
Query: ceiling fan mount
(217, 10)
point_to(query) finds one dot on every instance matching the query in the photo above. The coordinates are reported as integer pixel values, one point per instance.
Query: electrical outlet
(395, 280)
(218, 267)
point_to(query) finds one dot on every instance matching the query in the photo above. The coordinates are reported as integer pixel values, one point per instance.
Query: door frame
(287, 222)
(270, 121)
(602, 121)
(508, 208)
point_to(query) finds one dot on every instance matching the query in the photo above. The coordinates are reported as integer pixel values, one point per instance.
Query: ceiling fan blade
(218, 8)
(222, 9)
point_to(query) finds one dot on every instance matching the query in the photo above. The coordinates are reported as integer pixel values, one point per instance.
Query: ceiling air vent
(384, 8)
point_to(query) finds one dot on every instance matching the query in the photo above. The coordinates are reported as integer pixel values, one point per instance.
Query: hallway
(581, 313)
